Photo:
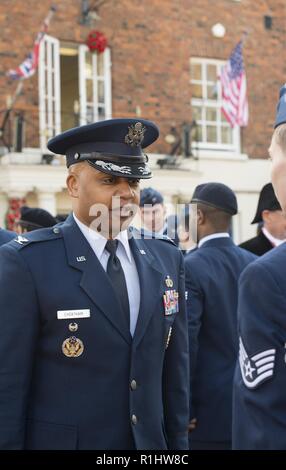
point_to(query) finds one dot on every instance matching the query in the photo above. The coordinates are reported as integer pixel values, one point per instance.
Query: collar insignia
(21, 240)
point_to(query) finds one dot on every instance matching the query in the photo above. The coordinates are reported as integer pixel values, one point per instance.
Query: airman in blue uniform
(94, 346)
(259, 411)
(153, 215)
(212, 273)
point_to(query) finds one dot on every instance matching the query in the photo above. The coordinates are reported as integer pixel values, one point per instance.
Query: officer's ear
(266, 216)
(72, 181)
(201, 218)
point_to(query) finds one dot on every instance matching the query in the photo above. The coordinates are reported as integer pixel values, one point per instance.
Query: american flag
(29, 66)
(234, 90)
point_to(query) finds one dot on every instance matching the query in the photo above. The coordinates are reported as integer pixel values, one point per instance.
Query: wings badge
(258, 368)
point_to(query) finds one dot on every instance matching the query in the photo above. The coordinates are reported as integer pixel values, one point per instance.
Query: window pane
(196, 71)
(197, 91)
(88, 58)
(223, 118)
(211, 114)
(89, 114)
(226, 135)
(88, 65)
(211, 134)
(211, 73)
(100, 65)
(101, 114)
(196, 113)
(100, 91)
(89, 90)
(197, 134)
(212, 92)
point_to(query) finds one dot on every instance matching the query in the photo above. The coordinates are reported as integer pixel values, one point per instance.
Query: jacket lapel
(94, 281)
(151, 286)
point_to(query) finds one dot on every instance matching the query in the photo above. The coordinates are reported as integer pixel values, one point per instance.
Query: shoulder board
(167, 239)
(36, 236)
(147, 235)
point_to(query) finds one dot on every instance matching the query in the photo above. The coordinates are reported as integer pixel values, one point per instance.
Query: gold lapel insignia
(135, 134)
(72, 347)
(169, 282)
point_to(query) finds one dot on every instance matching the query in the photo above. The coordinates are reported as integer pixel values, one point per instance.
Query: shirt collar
(212, 237)
(98, 242)
(123, 238)
(273, 240)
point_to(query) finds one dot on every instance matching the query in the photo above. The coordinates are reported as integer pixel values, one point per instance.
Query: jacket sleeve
(259, 418)
(176, 375)
(195, 304)
(18, 332)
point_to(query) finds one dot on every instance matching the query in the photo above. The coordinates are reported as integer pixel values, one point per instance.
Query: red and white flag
(234, 90)
(27, 68)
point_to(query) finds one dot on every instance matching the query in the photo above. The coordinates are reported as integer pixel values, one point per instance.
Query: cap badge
(72, 347)
(135, 134)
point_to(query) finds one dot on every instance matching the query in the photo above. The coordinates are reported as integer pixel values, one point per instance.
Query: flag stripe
(234, 89)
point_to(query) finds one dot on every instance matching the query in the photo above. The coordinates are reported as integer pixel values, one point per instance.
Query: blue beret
(267, 201)
(113, 146)
(216, 195)
(281, 108)
(150, 196)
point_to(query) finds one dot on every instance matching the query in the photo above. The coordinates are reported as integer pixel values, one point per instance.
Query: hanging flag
(27, 68)
(234, 90)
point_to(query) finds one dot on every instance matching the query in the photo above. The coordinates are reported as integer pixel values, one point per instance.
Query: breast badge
(72, 347)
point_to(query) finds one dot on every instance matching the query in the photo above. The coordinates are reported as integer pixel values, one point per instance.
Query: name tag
(66, 314)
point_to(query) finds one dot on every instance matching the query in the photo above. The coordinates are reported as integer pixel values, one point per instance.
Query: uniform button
(56, 230)
(76, 156)
(134, 419)
(133, 385)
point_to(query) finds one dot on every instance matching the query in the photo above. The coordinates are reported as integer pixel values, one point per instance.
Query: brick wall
(151, 43)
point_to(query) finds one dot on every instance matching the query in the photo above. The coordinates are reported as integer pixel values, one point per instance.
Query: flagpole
(244, 38)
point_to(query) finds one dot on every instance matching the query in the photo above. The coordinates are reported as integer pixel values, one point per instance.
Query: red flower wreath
(96, 41)
(13, 213)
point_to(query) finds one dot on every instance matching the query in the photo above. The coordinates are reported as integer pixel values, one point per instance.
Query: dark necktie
(116, 275)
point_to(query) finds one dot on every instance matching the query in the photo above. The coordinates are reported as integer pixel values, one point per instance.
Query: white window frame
(49, 90)
(235, 147)
(106, 78)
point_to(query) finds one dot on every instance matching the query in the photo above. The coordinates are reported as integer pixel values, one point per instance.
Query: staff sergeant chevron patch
(256, 369)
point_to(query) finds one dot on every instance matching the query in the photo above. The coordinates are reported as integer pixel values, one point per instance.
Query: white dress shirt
(273, 240)
(212, 237)
(97, 243)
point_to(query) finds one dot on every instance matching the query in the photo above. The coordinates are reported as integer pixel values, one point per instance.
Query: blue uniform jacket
(212, 273)
(118, 391)
(259, 406)
(6, 236)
